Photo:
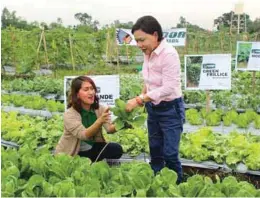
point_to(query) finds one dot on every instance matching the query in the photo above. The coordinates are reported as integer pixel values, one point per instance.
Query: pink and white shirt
(162, 74)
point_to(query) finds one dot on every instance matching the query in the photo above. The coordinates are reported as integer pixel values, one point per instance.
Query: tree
(10, 19)
(86, 23)
(183, 23)
(127, 25)
(57, 24)
(254, 27)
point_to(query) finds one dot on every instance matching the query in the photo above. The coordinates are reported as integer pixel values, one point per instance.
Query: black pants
(112, 151)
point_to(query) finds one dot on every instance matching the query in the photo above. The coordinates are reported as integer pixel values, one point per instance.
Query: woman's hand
(105, 117)
(131, 104)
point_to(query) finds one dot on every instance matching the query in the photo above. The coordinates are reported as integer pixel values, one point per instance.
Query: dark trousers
(165, 125)
(112, 151)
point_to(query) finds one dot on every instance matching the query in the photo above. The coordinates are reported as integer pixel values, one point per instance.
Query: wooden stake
(127, 54)
(207, 101)
(13, 47)
(71, 53)
(38, 49)
(45, 48)
(230, 42)
(186, 45)
(107, 46)
(117, 51)
(253, 81)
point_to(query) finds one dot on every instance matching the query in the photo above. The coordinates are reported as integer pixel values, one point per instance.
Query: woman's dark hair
(76, 84)
(149, 25)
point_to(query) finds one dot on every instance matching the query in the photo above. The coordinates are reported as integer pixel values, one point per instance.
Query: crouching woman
(83, 121)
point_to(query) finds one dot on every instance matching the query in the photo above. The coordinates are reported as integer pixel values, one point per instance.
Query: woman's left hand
(131, 104)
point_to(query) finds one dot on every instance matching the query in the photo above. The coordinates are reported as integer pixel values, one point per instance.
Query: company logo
(123, 37)
(98, 89)
(255, 51)
(209, 66)
(174, 34)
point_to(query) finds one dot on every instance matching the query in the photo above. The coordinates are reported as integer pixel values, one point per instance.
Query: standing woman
(161, 95)
(83, 121)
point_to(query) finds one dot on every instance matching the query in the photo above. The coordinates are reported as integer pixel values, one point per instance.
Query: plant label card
(208, 72)
(248, 56)
(108, 88)
(175, 37)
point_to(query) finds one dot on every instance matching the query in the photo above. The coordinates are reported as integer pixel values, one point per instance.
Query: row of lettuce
(243, 94)
(201, 145)
(194, 116)
(30, 173)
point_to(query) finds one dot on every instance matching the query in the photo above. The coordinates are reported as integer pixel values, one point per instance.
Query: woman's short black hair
(149, 25)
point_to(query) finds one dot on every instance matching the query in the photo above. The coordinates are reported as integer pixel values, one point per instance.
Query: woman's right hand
(105, 117)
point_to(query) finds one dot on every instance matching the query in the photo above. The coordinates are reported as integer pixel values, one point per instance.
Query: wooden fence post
(45, 48)
(71, 53)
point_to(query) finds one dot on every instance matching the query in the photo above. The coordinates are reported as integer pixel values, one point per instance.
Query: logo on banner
(209, 66)
(173, 37)
(255, 53)
(98, 89)
(123, 37)
(210, 69)
(104, 97)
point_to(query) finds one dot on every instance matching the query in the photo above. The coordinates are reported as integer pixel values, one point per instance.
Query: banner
(125, 37)
(175, 37)
(208, 72)
(108, 88)
(248, 56)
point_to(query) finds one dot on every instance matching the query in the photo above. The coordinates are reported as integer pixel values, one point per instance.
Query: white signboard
(248, 56)
(208, 72)
(108, 88)
(175, 37)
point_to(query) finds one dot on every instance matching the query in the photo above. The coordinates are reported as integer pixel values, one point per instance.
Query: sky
(167, 12)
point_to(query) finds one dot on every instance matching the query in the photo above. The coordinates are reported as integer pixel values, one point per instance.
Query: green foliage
(130, 86)
(213, 118)
(244, 52)
(194, 117)
(66, 176)
(126, 119)
(37, 131)
(193, 74)
(33, 102)
(134, 141)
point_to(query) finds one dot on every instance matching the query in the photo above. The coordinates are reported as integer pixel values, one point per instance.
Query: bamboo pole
(207, 101)
(13, 47)
(197, 44)
(230, 42)
(186, 45)
(107, 45)
(71, 53)
(45, 48)
(221, 43)
(253, 81)
(117, 51)
(38, 50)
(127, 54)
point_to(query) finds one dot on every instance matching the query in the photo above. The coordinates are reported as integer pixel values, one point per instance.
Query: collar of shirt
(88, 117)
(160, 47)
(157, 50)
